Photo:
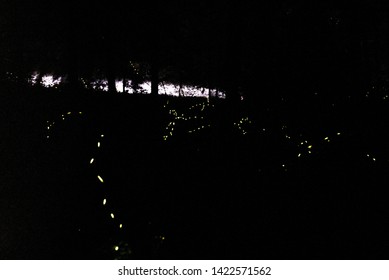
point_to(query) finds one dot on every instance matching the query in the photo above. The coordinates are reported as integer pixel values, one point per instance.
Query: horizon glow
(170, 89)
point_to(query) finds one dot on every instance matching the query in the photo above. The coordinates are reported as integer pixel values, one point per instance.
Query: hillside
(98, 176)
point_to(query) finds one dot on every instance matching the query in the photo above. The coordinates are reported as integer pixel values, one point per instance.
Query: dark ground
(217, 195)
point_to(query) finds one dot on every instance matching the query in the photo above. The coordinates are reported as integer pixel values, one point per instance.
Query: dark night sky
(228, 45)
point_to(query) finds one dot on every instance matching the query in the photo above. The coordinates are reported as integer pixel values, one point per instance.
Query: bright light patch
(50, 81)
(120, 226)
(92, 160)
(116, 248)
(112, 216)
(101, 179)
(104, 201)
(98, 144)
(34, 78)
(163, 88)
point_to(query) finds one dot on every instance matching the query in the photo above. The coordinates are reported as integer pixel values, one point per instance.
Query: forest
(193, 130)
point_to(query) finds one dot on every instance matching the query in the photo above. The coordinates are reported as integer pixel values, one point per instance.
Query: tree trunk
(234, 54)
(111, 82)
(154, 78)
(155, 48)
(72, 55)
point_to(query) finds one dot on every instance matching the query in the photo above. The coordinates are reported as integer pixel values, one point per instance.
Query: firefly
(101, 179)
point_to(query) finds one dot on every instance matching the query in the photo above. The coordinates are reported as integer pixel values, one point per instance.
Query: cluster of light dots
(378, 92)
(194, 113)
(304, 147)
(123, 247)
(11, 76)
(51, 124)
(84, 82)
(92, 162)
(105, 202)
(240, 125)
(134, 68)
